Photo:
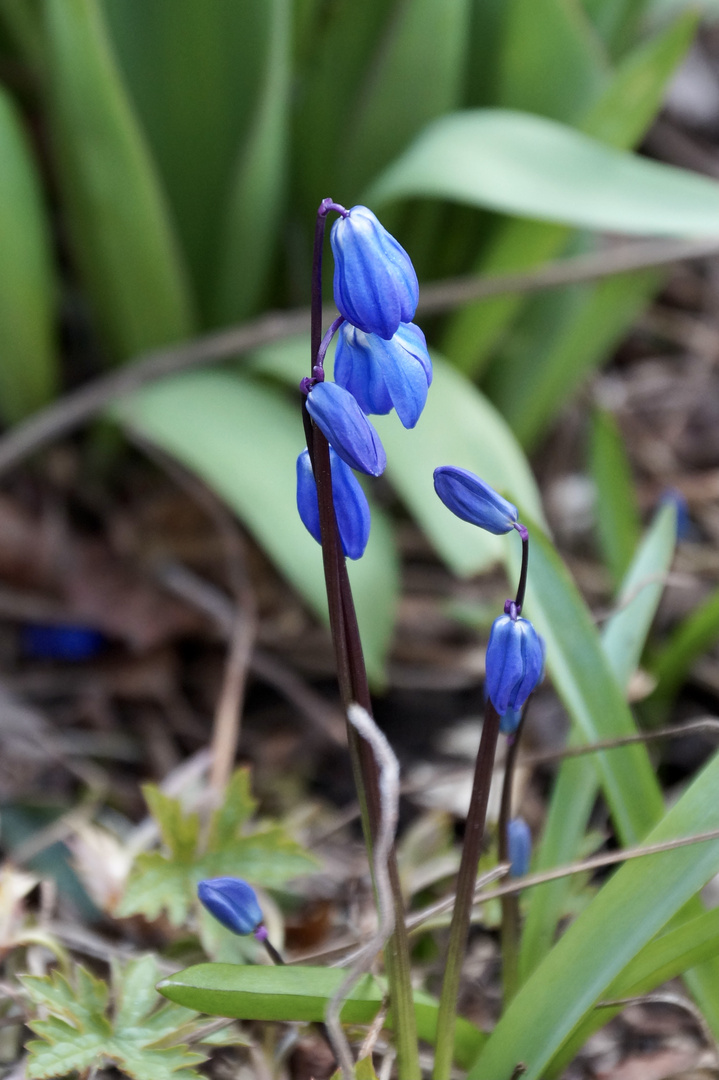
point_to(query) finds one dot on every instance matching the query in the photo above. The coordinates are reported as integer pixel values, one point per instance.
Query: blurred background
(552, 168)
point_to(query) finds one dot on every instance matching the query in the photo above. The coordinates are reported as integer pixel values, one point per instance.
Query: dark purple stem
(521, 588)
(325, 207)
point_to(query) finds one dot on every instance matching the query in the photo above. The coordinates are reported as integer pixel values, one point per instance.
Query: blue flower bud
(381, 374)
(346, 428)
(474, 501)
(232, 902)
(375, 285)
(351, 507)
(519, 846)
(515, 662)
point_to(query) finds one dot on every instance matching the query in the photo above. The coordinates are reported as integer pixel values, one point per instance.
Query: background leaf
(534, 167)
(243, 438)
(120, 228)
(618, 524)
(28, 369)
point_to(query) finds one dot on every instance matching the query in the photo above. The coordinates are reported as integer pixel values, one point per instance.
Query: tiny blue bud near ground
(346, 428)
(232, 902)
(375, 284)
(519, 846)
(350, 502)
(473, 500)
(515, 662)
(383, 373)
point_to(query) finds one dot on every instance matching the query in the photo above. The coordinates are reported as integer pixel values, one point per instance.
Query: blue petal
(519, 844)
(232, 902)
(351, 506)
(358, 368)
(346, 428)
(405, 373)
(510, 721)
(472, 500)
(375, 285)
(515, 662)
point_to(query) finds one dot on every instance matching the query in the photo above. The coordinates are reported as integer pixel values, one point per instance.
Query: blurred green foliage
(166, 158)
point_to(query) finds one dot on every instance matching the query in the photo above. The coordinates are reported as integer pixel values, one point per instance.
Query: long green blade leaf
(118, 221)
(631, 908)
(301, 993)
(577, 784)
(527, 165)
(618, 514)
(28, 364)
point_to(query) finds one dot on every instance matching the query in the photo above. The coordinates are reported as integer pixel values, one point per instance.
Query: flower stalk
(353, 685)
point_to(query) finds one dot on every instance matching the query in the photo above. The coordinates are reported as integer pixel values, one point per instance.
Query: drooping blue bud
(472, 500)
(232, 902)
(381, 374)
(346, 428)
(515, 662)
(519, 847)
(351, 506)
(375, 285)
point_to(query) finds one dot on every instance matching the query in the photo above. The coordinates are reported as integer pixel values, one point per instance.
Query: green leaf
(397, 97)
(618, 523)
(624, 112)
(28, 371)
(80, 1034)
(694, 636)
(667, 956)
(527, 165)
(301, 993)
(115, 210)
(244, 442)
(458, 427)
(266, 855)
(618, 117)
(542, 36)
(625, 915)
(577, 784)
(250, 233)
(196, 127)
(531, 384)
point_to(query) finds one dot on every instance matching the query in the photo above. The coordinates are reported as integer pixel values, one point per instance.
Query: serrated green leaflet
(243, 438)
(168, 882)
(536, 168)
(81, 1034)
(301, 993)
(625, 915)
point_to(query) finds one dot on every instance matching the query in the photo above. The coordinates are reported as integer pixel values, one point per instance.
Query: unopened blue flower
(232, 902)
(519, 846)
(381, 374)
(375, 285)
(350, 501)
(515, 662)
(346, 428)
(473, 500)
